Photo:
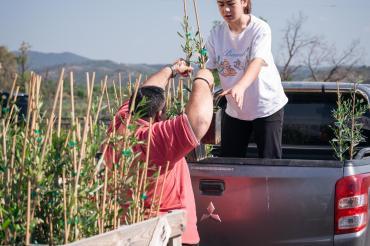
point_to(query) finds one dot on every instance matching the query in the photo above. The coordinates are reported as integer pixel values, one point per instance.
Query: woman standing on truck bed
(240, 49)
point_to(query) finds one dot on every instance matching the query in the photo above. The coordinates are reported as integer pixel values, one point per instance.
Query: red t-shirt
(171, 140)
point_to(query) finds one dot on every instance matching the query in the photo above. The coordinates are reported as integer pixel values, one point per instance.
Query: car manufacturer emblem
(211, 208)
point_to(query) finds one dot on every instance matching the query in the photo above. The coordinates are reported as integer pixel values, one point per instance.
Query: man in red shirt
(172, 139)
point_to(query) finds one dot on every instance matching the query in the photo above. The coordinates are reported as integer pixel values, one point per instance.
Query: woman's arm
(250, 75)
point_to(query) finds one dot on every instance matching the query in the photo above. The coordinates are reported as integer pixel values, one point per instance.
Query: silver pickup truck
(306, 198)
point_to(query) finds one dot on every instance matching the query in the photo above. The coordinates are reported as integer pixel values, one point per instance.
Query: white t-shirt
(231, 53)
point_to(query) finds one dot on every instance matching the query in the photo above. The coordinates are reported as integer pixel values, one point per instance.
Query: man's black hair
(149, 101)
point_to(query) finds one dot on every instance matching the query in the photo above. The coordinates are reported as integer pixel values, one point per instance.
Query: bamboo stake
(104, 197)
(84, 136)
(12, 90)
(351, 148)
(120, 87)
(33, 104)
(101, 99)
(83, 146)
(155, 192)
(199, 34)
(108, 102)
(162, 189)
(88, 87)
(9, 117)
(129, 84)
(114, 176)
(173, 87)
(115, 93)
(137, 181)
(50, 126)
(51, 239)
(189, 87)
(181, 95)
(128, 121)
(66, 232)
(28, 212)
(4, 142)
(145, 169)
(78, 132)
(74, 126)
(60, 109)
(12, 160)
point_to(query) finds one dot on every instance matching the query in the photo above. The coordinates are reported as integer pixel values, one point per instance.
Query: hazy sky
(145, 31)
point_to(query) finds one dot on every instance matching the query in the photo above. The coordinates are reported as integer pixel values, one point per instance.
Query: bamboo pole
(12, 90)
(50, 126)
(129, 85)
(74, 126)
(155, 192)
(115, 93)
(104, 197)
(9, 117)
(4, 142)
(101, 99)
(120, 87)
(60, 109)
(114, 176)
(145, 169)
(199, 35)
(83, 147)
(28, 236)
(108, 101)
(162, 189)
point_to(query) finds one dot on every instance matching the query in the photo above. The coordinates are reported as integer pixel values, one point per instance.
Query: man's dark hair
(149, 101)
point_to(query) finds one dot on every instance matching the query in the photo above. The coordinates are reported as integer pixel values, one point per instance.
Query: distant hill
(49, 66)
(39, 60)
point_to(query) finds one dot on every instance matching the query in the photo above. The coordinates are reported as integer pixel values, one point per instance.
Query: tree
(322, 60)
(8, 68)
(22, 60)
(338, 65)
(294, 43)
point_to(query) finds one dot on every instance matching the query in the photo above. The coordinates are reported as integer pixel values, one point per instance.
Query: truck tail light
(351, 203)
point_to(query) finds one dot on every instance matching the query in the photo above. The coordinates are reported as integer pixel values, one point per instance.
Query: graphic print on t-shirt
(226, 69)
(232, 62)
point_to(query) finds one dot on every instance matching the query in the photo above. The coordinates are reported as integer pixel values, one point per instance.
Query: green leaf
(178, 33)
(6, 224)
(72, 144)
(5, 110)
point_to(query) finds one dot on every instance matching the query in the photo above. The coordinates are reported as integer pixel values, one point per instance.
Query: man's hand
(180, 67)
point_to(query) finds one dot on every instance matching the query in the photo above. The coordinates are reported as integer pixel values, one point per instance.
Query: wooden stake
(50, 126)
(120, 88)
(101, 99)
(155, 192)
(60, 110)
(162, 189)
(28, 235)
(199, 33)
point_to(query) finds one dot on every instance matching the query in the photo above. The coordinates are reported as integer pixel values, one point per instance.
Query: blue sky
(145, 31)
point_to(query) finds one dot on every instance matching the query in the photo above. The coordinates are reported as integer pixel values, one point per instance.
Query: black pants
(236, 134)
(190, 244)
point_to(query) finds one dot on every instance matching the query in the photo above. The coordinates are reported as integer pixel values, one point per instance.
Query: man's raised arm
(199, 109)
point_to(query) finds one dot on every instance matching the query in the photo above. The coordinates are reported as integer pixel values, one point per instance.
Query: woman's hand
(237, 93)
